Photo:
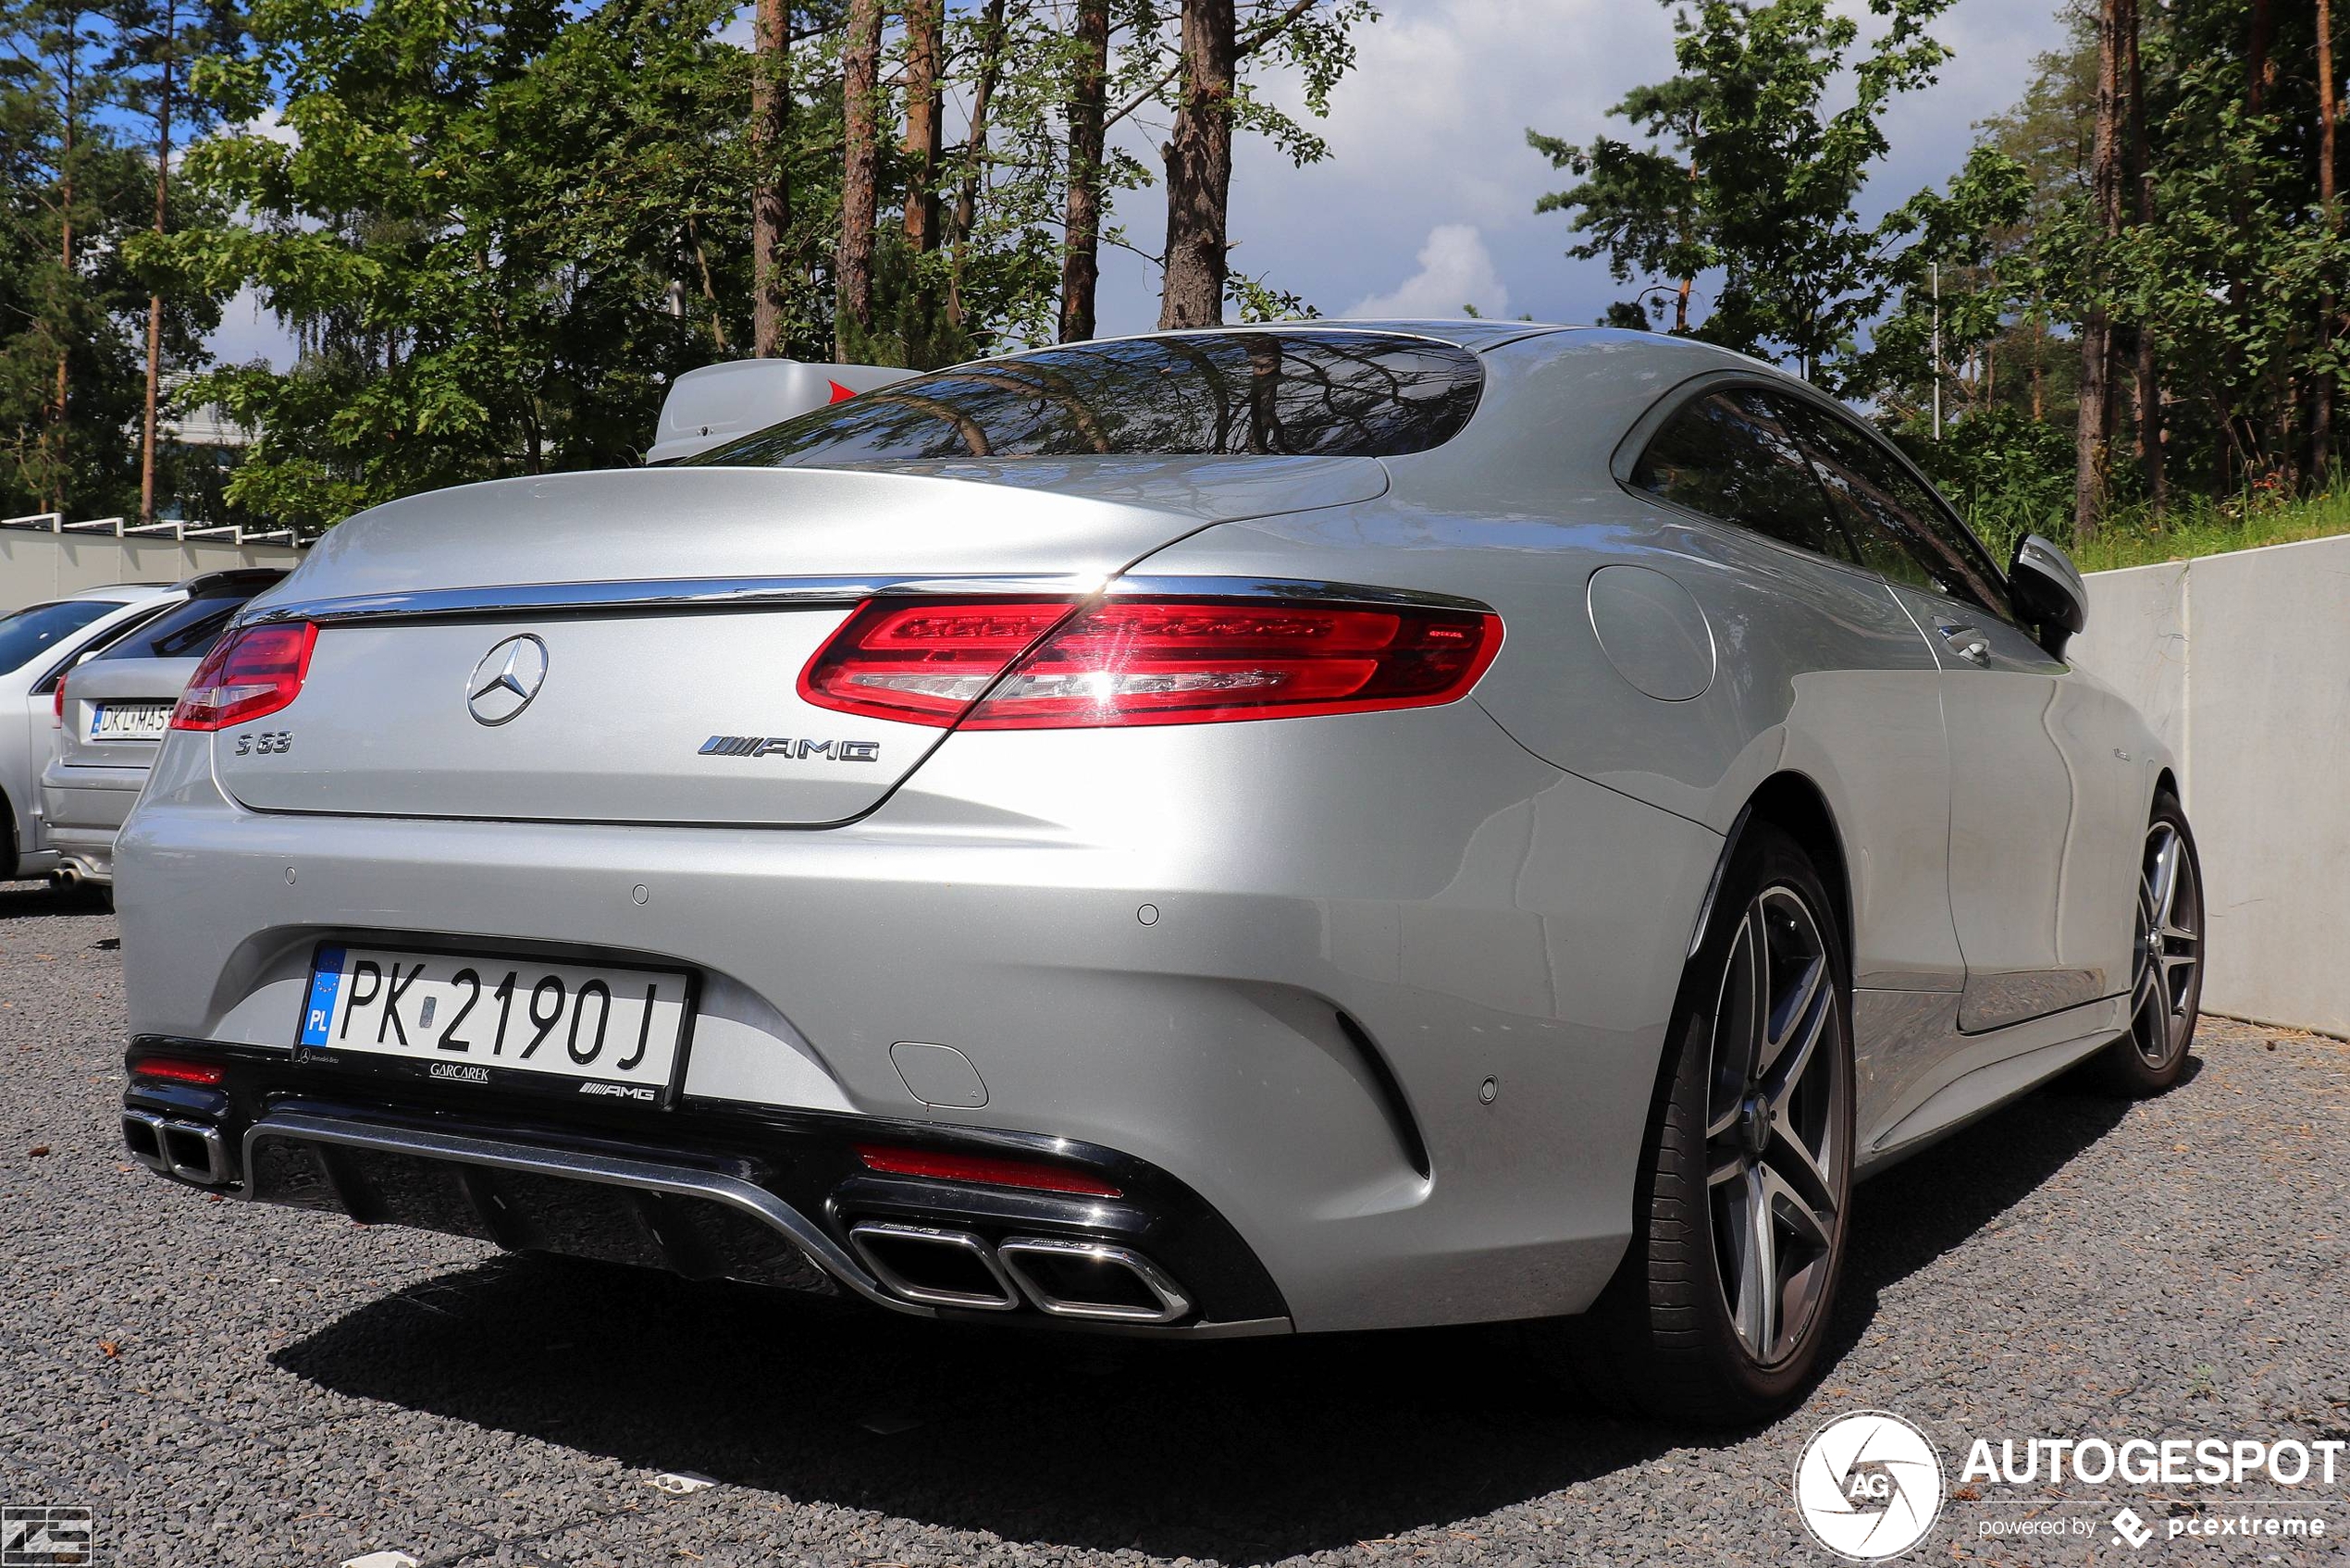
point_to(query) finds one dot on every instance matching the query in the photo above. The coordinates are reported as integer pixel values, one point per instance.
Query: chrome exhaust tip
(937, 1267)
(1097, 1280)
(192, 1151)
(142, 1135)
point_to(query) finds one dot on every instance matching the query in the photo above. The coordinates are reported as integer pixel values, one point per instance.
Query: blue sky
(1427, 201)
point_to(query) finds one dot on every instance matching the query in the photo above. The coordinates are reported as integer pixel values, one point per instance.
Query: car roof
(118, 593)
(1467, 332)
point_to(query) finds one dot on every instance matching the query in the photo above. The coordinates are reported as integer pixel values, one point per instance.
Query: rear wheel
(2166, 981)
(1721, 1306)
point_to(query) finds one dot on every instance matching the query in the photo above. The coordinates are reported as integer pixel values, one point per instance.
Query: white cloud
(249, 332)
(1456, 271)
(1430, 129)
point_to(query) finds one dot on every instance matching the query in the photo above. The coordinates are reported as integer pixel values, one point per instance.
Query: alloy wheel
(2169, 947)
(1777, 1113)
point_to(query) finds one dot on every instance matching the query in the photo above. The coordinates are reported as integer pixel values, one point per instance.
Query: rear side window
(1730, 455)
(1196, 394)
(1900, 528)
(33, 631)
(185, 631)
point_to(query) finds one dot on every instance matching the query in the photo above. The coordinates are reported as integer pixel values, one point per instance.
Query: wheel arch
(1795, 805)
(2167, 783)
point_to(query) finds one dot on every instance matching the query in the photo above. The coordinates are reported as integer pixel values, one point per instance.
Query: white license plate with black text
(513, 1022)
(130, 720)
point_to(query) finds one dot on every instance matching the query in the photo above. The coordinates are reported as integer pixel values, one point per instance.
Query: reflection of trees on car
(1315, 393)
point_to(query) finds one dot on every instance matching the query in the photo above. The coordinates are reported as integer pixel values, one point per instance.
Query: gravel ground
(233, 1385)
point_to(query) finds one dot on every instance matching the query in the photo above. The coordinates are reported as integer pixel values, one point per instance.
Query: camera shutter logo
(1869, 1485)
(46, 1537)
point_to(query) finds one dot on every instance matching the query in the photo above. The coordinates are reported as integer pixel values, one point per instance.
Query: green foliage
(2011, 474)
(72, 337)
(1749, 181)
(484, 228)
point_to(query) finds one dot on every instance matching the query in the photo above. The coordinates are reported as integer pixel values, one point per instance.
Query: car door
(2043, 839)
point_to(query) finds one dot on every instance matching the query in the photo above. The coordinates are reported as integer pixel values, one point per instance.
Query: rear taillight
(59, 708)
(994, 1170)
(1045, 665)
(248, 673)
(923, 661)
(176, 1070)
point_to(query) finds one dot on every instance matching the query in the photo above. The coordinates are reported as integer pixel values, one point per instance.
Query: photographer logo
(1869, 1485)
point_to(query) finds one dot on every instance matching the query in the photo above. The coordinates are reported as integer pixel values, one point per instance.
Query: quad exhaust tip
(191, 1150)
(1097, 1281)
(938, 1268)
(1093, 1280)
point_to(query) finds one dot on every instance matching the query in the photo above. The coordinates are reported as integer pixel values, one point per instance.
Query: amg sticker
(629, 1090)
(791, 747)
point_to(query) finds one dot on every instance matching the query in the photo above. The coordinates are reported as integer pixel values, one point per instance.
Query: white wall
(2241, 664)
(37, 566)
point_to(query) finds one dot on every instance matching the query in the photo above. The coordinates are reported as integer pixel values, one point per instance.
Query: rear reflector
(176, 1070)
(248, 675)
(986, 1169)
(1030, 664)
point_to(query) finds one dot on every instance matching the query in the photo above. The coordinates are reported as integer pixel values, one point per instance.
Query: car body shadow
(1238, 1450)
(26, 900)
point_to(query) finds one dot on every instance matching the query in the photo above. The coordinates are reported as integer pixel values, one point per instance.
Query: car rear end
(112, 712)
(877, 883)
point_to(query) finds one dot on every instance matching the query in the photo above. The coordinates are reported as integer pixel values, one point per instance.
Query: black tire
(1663, 1338)
(2166, 975)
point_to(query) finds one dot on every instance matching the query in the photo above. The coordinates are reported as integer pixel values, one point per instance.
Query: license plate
(474, 1019)
(130, 720)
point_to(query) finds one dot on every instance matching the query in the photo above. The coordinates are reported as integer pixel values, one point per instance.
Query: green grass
(2133, 536)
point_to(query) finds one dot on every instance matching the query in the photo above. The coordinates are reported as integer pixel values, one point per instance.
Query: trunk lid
(658, 621)
(112, 703)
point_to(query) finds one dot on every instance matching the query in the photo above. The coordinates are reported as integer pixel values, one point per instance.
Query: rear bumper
(780, 1201)
(1278, 963)
(83, 809)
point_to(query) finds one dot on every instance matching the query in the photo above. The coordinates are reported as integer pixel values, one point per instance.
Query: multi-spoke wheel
(1774, 1132)
(1720, 1304)
(2166, 982)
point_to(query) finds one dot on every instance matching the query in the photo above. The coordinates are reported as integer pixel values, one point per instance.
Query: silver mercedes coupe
(1324, 826)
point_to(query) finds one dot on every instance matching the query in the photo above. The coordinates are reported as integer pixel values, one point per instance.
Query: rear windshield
(1200, 394)
(186, 631)
(29, 633)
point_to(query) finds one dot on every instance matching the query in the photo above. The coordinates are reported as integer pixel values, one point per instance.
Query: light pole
(1936, 270)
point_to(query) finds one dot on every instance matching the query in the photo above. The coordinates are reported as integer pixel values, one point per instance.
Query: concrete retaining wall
(2242, 664)
(37, 566)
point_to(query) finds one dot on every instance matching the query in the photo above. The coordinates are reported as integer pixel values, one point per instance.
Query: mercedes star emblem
(507, 678)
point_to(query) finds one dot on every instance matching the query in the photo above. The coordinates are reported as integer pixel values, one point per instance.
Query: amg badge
(792, 746)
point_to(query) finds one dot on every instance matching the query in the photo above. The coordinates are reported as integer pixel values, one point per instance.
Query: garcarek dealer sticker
(1872, 1486)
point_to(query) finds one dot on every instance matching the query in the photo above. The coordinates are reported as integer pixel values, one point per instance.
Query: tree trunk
(1199, 169)
(1081, 217)
(2321, 419)
(926, 46)
(2261, 67)
(2093, 430)
(991, 39)
(154, 302)
(65, 289)
(2141, 193)
(859, 178)
(770, 177)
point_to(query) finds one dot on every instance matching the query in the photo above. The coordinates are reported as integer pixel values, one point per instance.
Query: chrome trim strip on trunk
(641, 1175)
(712, 595)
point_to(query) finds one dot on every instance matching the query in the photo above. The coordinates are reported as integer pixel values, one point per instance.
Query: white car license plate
(130, 720)
(511, 1022)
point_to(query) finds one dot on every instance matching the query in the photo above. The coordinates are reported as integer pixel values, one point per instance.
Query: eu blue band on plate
(326, 980)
